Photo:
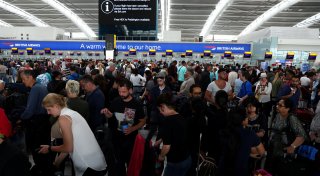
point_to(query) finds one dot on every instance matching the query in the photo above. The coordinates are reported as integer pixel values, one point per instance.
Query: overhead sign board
(122, 17)
(125, 46)
(128, 12)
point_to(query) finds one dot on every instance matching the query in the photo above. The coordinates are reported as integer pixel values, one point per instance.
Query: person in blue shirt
(96, 100)
(73, 74)
(246, 87)
(37, 122)
(181, 71)
(237, 143)
(291, 91)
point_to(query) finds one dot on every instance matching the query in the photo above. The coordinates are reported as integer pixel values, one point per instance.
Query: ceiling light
(285, 4)
(215, 14)
(309, 21)
(168, 15)
(72, 16)
(163, 24)
(4, 24)
(22, 13)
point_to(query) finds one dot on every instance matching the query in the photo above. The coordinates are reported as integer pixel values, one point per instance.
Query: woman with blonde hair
(78, 139)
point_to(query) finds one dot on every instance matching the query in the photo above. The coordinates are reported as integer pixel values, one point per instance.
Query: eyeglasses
(280, 105)
(160, 77)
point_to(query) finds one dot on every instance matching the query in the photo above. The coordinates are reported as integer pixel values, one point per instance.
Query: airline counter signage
(125, 46)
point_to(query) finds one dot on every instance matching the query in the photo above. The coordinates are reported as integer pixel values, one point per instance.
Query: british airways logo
(211, 47)
(8, 44)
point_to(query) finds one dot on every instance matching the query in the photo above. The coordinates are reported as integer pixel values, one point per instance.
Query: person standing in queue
(125, 118)
(78, 139)
(37, 122)
(175, 141)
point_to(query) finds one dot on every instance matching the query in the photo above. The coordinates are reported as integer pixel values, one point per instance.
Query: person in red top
(12, 161)
(5, 125)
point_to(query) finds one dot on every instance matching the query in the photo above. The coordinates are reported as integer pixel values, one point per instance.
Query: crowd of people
(124, 117)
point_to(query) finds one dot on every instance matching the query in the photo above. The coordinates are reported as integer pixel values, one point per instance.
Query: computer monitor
(312, 56)
(247, 54)
(30, 51)
(169, 53)
(47, 50)
(189, 53)
(268, 55)
(14, 50)
(132, 52)
(227, 54)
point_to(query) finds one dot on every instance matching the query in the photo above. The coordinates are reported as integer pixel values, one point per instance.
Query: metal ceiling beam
(221, 6)
(22, 13)
(5, 24)
(309, 21)
(72, 16)
(267, 15)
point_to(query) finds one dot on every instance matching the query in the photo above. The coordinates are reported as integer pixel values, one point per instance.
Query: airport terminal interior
(159, 87)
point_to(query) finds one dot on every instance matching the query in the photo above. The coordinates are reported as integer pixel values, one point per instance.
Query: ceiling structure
(187, 16)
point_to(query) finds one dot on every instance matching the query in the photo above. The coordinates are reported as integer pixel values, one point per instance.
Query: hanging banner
(125, 46)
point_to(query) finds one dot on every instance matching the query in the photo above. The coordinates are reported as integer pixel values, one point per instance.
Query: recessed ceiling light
(300, 10)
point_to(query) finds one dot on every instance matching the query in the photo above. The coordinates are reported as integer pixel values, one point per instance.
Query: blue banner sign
(125, 46)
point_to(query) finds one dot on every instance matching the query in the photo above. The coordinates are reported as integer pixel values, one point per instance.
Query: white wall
(281, 33)
(30, 33)
(172, 36)
(299, 45)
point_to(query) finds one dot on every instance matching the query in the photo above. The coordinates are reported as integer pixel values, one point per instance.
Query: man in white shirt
(215, 86)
